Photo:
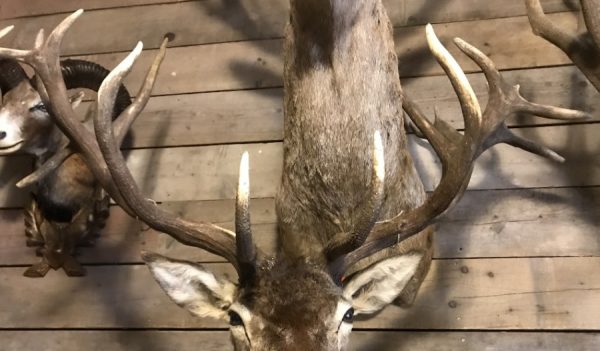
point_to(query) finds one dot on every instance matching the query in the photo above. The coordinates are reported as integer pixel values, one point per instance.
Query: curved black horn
(11, 74)
(89, 75)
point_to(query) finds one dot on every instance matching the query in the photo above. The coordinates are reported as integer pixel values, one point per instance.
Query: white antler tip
(6, 30)
(429, 32)
(244, 177)
(139, 47)
(378, 156)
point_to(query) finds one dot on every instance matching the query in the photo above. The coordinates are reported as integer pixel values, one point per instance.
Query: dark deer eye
(39, 107)
(349, 316)
(234, 319)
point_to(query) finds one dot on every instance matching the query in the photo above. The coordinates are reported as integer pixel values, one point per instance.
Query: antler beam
(583, 51)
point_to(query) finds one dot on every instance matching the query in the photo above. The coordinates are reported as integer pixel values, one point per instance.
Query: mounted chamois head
(306, 299)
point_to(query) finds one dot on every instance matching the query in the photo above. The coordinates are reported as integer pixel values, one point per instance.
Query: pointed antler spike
(55, 38)
(464, 91)
(243, 191)
(246, 251)
(6, 30)
(39, 39)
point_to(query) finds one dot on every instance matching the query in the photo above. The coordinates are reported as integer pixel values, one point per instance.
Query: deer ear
(191, 286)
(375, 287)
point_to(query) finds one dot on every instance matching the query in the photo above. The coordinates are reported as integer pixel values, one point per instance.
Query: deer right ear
(377, 286)
(191, 286)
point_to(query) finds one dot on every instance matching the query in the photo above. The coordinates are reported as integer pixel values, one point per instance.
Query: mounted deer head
(343, 130)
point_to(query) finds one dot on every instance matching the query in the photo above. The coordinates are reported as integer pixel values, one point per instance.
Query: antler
(104, 157)
(456, 151)
(581, 50)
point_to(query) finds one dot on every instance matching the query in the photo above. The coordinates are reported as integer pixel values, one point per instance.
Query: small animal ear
(377, 286)
(191, 286)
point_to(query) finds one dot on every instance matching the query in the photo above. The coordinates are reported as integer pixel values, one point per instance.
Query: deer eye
(235, 320)
(39, 107)
(348, 316)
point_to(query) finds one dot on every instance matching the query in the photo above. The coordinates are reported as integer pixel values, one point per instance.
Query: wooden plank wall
(515, 262)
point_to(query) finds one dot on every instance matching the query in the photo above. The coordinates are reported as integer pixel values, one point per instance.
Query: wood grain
(257, 115)
(359, 341)
(492, 223)
(521, 49)
(205, 21)
(210, 172)
(499, 294)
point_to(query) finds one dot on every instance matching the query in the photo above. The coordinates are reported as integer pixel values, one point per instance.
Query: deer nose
(2, 135)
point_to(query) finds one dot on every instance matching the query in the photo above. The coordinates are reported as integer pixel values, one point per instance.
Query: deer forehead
(293, 295)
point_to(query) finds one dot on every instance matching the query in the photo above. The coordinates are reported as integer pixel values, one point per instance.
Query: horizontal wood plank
(209, 21)
(401, 12)
(493, 223)
(257, 115)
(259, 63)
(500, 294)
(210, 172)
(16, 8)
(359, 341)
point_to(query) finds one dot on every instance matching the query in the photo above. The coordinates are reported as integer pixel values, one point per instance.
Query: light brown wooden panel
(492, 223)
(257, 115)
(258, 64)
(210, 172)
(219, 64)
(209, 21)
(401, 12)
(525, 293)
(210, 118)
(359, 341)
(18, 8)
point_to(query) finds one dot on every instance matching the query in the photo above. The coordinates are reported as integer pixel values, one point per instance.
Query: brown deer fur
(341, 84)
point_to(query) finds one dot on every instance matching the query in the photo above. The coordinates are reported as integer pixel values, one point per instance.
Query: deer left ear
(377, 286)
(192, 287)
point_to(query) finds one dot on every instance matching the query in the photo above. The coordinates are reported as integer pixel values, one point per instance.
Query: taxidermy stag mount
(68, 208)
(353, 216)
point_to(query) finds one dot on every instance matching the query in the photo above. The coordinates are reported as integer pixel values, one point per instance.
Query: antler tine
(504, 101)
(582, 52)
(51, 164)
(499, 88)
(245, 249)
(457, 152)
(4, 31)
(203, 235)
(466, 95)
(122, 124)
